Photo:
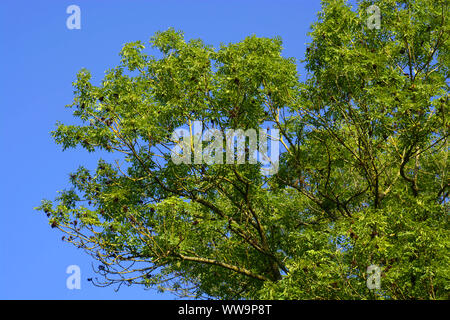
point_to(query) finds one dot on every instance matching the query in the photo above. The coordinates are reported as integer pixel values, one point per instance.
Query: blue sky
(39, 58)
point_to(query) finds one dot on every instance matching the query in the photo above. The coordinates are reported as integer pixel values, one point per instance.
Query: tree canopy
(362, 177)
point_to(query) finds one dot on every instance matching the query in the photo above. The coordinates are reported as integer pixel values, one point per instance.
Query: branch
(234, 268)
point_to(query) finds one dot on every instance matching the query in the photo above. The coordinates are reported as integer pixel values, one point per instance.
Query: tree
(362, 180)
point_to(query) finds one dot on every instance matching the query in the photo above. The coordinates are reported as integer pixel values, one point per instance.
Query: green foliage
(362, 180)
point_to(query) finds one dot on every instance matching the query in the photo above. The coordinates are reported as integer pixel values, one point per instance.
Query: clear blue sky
(39, 58)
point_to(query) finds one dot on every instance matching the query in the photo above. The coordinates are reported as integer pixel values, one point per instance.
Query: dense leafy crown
(362, 180)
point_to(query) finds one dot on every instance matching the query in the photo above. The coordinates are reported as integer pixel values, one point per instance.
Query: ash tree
(362, 180)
